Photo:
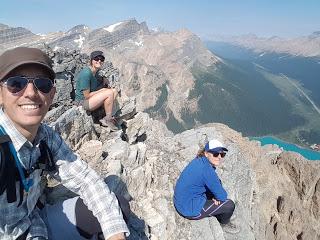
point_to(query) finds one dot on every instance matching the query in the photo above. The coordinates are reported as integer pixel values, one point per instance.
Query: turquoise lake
(307, 153)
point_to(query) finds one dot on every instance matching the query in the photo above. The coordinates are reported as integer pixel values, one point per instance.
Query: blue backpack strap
(45, 161)
(12, 171)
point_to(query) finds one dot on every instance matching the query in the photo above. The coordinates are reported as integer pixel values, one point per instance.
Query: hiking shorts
(83, 103)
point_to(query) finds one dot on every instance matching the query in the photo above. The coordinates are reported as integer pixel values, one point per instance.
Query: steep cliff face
(288, 190)
(157, 69)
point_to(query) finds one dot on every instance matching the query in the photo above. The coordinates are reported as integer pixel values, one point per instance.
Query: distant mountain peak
(113, 27)
(317, 33)
(78, 29)
(3, 26)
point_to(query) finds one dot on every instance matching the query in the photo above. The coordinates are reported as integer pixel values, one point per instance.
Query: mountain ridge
(307, 46)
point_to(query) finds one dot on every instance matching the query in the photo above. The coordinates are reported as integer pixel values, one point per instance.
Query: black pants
(23, 236)
(222, 212)
(86, 223)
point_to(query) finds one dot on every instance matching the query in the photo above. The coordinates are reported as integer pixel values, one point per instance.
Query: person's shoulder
(86, 71)
(204, 162)
(196, 162)
(49, 133)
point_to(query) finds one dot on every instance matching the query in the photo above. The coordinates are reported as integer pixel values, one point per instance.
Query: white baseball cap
(214, 146)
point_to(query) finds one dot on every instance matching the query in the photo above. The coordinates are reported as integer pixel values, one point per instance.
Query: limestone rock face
(292, 192)
(75, 126)
(110, 36)
(157, 69)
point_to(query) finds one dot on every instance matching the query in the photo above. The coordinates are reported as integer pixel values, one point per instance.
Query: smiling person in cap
(90, 94)
(28, 147)
(199, 192)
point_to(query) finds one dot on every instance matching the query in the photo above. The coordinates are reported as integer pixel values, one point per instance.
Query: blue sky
(265, 18)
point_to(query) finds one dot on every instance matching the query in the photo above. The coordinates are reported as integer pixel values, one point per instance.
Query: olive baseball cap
(16, 57)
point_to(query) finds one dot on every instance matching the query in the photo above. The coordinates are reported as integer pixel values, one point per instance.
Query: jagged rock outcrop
(290, 194)
(276, 193)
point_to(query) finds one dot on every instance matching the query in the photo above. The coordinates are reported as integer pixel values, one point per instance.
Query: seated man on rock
(28, 148)
(90, 94)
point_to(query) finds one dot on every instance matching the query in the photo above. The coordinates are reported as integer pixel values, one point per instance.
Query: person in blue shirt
(91, 95)
(199, 192)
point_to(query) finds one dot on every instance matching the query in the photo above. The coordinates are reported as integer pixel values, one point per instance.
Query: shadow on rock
(135, 224)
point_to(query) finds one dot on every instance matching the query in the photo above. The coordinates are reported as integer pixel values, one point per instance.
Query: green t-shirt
(85, 80)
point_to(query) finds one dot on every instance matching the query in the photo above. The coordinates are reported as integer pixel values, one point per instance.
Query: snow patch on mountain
(79, 41)
(112, 27)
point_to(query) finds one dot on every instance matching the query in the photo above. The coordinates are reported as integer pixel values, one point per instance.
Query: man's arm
(118, 236)
(77, 176)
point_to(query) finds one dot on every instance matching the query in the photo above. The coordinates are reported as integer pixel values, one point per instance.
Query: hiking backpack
(9, 172)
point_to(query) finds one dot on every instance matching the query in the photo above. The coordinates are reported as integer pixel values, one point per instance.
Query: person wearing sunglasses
(91, 95)
(199, 192)
(26, 93)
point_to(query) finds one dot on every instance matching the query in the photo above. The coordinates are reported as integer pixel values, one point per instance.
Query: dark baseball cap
(16, 57)
(96, 54)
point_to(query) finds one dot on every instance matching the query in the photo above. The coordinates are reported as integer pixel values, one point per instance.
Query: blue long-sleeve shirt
(198, 177)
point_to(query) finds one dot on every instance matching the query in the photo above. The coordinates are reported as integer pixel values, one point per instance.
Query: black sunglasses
(216, 154)
(18, 83)
(97, 58)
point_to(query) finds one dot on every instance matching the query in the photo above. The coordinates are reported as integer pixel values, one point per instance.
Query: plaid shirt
(73, 173)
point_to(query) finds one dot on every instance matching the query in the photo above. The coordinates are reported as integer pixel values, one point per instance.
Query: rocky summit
(277, 193)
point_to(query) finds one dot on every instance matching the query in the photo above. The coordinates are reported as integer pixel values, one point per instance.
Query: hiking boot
(230, 228)
(109, 123)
